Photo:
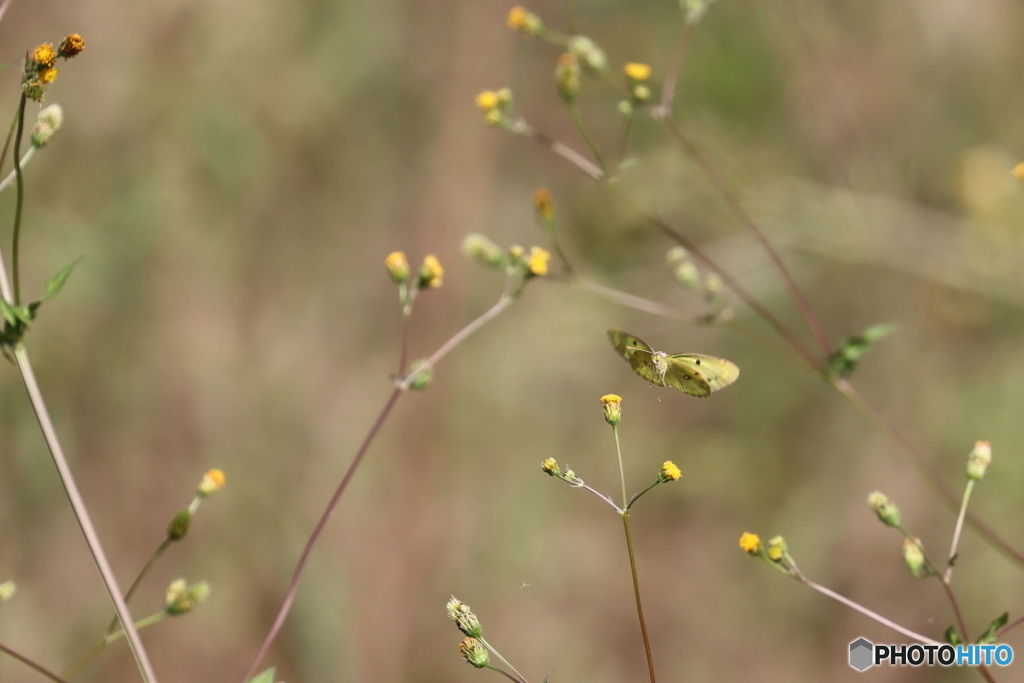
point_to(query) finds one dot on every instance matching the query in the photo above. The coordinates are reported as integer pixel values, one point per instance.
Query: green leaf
(844, 360)
(264, 677)
(990, 634)
(8, 312)
(953, 638)
(54, 284)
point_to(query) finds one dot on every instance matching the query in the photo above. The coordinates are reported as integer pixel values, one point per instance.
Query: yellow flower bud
(182, 598)
(612, 408)
(397, 266)
(537, 263)
(431, 273)
(44, 55)
(750, 543)
(550, 465)
(212, 482)
(487, 100)
(635, 71)
(1018, 171)
(70, 46)
(521, 19)
(567, 75)
(545, 205)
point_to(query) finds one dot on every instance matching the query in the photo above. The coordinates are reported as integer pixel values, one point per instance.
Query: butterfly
(691, 373)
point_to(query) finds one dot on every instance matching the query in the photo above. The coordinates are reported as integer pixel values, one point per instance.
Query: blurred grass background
(234, 174)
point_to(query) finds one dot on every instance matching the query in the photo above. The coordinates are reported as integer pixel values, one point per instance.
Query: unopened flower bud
(421, 373)
(182, 598)
(430, 274)
(567, 75)
(550, 465)
(213, 481)
(397, 266)
(178, 527)
(521, 19)
(483, 251)
(463, 616)
(913, 555)
(588, 53)
(978, 460)
(544, 204)
(777, 549)
(474, 652)
(884, 508)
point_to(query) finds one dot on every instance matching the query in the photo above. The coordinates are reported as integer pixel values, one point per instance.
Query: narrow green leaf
(990, 634)
(54, 284)
(8, 312)
(264, 677)
(952, 637)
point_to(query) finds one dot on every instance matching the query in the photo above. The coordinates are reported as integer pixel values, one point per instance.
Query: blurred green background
(234, 174)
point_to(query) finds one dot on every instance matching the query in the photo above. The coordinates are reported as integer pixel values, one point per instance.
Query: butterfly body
(692, 373)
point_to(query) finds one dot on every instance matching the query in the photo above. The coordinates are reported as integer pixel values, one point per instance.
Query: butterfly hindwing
(692, 373)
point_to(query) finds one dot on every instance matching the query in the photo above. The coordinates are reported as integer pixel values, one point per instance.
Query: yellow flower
(550, 465)
(635, 71)
(517, 17)
(543, 202)
(44, 55)
(487, 100)
(212, 482)
(538, 262)
(474, 652)
(1018, 171)
(612, 408)
(669, 472)
(431, 273)
(521, 19)
(750, 543)
(48, 74)
(397, 266)
(71, 45)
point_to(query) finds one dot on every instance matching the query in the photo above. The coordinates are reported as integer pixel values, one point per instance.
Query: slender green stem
(7, 140)
(668, 86)
(503, 673)
(82, 513)
(138, 579)
(624, 139)
(12, 176)
(636, 591)
(15, 274)
(929, 471)
(956, 531)
(636, 497)
(504, 661)
(31, 664)
(577, 119)
(109, 638)
(622, 471)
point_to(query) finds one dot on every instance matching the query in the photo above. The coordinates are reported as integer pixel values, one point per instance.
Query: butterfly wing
(700, 375)
(639, 354)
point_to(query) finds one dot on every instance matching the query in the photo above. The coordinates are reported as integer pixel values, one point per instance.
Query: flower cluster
(496, 106)
(41, 66)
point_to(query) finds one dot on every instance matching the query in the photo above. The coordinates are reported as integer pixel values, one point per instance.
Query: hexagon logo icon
(861, 654)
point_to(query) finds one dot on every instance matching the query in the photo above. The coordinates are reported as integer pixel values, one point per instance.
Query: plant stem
(636, 497)
(293, 586)
(636, 591)
(503, 673)
(109, 638)
(864, 610)
(12, 176)
(845, 388)
(956, 531)
(668, 86)
(10, 130)
(504, 661)
(562, 150)
(624, 140)
(138, 579)
(622, 472)
(577, 119)
(81, 513)
(20, 204)
(31, 664)
(737, 208)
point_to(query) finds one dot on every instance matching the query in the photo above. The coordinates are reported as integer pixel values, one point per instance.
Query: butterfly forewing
(692, 373)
